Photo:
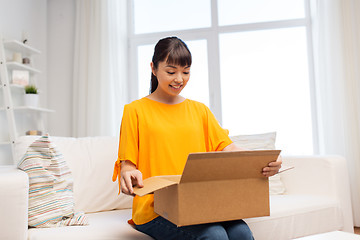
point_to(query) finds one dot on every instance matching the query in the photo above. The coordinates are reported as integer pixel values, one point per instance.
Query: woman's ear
(153, 69)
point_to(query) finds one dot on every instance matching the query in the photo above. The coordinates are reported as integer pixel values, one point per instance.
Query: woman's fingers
(129, 179)
(128, 182)
(272, 168)
(139, 180)
(124, 189)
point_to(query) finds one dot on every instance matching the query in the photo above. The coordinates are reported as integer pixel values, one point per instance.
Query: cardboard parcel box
(214, 186)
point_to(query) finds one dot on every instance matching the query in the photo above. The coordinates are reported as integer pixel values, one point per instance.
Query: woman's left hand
(272, 168)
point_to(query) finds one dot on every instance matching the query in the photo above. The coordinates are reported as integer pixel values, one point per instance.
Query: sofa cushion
(51, 201)
(90, 160)
(110, 225)
(14, 202)
(291, 216)
(302, 215)
(264, 141)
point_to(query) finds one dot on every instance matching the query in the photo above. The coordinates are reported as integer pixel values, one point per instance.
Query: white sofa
(317, 197)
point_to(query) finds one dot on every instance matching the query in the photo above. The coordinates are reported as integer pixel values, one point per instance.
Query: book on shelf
(20, 77)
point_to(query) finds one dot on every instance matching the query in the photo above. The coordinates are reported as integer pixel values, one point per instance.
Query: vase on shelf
(31, 100)
(31, 97)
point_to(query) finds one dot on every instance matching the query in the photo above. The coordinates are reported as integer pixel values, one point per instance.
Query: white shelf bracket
(5, 86)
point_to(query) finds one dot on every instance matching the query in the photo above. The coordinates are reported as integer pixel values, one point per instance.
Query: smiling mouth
(176, 87)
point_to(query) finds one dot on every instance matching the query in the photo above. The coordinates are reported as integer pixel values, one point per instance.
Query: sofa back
(91, 161)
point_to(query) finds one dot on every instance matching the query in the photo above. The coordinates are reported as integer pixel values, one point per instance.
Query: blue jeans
(162, 229)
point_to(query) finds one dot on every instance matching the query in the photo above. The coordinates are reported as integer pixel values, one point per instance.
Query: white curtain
(336, 38)
(100, 71)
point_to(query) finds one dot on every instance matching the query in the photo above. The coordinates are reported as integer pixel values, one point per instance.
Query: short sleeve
(218, 137)
(129, 136)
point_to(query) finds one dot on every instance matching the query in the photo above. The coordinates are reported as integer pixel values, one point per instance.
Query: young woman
(157, 134)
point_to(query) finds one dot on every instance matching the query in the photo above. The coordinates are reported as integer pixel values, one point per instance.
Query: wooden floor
(357, 230)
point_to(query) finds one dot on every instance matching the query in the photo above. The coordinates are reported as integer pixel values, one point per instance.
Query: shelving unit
(19, 66)
(27, 108)
(12, 110)
(17, 46)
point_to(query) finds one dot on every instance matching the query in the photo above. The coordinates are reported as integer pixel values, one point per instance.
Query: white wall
(29, 17)
(50, 26)
(17, 17)
(60, 35)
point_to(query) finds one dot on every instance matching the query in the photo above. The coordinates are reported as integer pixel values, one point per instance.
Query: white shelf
(17, 86)
(26, 108)
(17, 116)
(14, 86)
(19, 66)
(18, 46)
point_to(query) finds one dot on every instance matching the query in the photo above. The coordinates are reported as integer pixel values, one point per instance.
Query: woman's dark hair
(174, 51)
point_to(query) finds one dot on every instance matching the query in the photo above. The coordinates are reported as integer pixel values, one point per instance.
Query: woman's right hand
(130, 177)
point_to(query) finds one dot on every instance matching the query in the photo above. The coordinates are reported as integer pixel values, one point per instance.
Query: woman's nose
(178, 78)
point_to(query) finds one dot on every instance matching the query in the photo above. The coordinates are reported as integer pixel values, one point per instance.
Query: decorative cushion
(264, 141)
(51, 201)
(91, 162)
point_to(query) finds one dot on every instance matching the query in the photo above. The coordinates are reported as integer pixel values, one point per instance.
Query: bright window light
(265, 87)
(169, 15)
(244, 11)
(251, 63)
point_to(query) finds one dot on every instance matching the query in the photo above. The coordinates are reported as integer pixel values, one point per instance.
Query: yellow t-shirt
(158, 138)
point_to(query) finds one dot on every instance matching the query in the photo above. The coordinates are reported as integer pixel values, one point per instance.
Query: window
(160, 15)
(265, 70)
(233, 12)
(251, 62)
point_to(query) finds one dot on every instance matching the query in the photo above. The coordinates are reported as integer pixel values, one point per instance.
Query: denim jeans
(162, 229)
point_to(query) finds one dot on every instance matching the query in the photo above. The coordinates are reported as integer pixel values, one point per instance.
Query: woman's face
(172, 78)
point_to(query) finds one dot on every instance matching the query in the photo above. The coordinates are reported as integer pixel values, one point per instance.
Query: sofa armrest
(320, 175)
(14, 188)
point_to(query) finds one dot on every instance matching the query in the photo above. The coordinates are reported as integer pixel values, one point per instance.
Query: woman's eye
(186, 73)
(171, 73)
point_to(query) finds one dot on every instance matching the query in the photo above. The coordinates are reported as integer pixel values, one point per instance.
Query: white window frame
(211, 35)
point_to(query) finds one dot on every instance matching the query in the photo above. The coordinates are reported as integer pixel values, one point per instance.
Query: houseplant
(31, 97)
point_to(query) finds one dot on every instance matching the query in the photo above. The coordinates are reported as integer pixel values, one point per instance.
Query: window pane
(169, 15)
(245, 11)
(144, 70)
(197, 87)
(265, 86)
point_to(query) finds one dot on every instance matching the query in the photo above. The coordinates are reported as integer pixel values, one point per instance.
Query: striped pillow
(51, 201)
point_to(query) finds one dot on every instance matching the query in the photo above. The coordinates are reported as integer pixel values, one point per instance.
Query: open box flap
(212, 166)
(285, 168)
(155, 183)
